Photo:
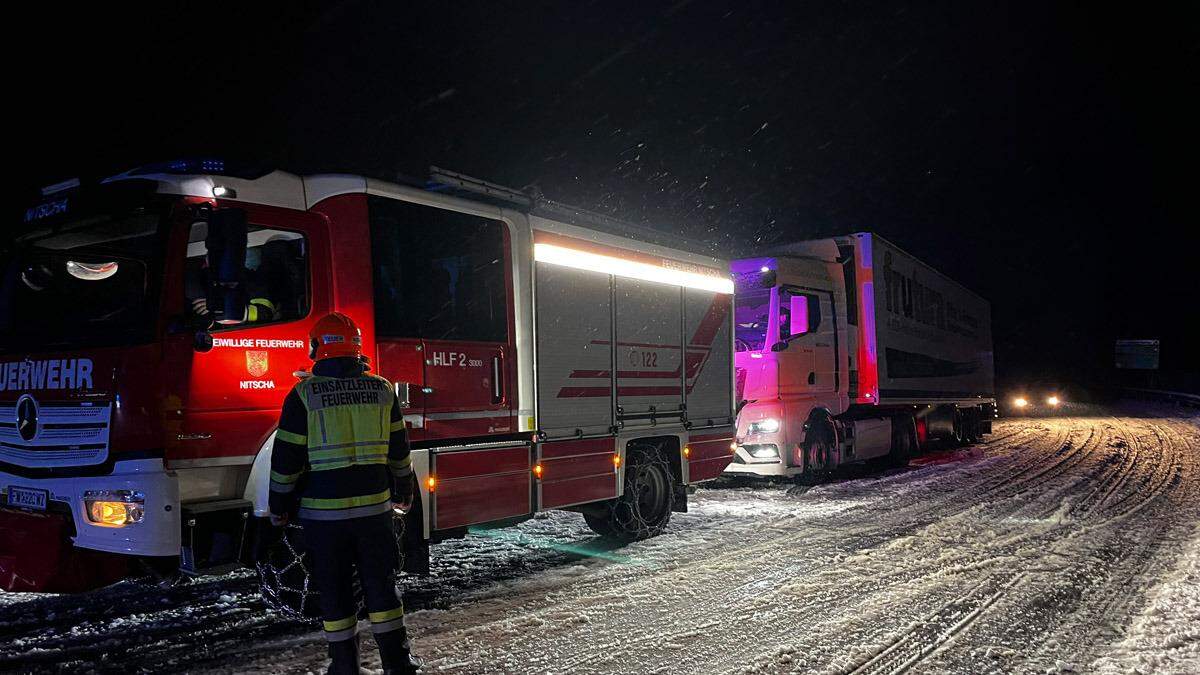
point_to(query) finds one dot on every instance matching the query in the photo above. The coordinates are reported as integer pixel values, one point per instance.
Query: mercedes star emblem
(27, 417)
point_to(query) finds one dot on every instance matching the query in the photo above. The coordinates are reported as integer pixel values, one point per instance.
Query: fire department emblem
(256, 363)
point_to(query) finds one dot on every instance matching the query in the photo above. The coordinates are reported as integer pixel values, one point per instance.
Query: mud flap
(414, 547)
(681, 498)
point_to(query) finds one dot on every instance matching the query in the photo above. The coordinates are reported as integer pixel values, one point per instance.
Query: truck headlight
(766, 426)
(114, 508)
(1053, 400)
(1020, 402)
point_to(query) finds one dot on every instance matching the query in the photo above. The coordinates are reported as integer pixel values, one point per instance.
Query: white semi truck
(849, 349)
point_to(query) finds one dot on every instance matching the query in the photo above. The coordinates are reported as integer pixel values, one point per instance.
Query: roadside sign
(1137, 354)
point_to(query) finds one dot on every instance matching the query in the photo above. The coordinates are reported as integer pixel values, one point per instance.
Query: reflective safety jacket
(341, 445)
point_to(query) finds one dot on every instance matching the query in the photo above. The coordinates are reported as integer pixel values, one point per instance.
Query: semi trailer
(849, 349)
(151, 324)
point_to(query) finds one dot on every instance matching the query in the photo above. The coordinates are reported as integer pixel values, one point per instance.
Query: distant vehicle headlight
(1053, 400)
(767, 426)
(1020, 402)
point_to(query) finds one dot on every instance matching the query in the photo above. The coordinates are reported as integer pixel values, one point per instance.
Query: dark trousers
(368, 545)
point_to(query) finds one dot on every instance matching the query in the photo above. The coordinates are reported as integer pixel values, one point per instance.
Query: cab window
(439, 274)
(276, 275)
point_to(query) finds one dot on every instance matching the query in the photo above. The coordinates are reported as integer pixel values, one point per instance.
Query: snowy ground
(1060, 545)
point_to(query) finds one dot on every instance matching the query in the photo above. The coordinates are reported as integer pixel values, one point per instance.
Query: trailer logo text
(46, 374)
(908, 297)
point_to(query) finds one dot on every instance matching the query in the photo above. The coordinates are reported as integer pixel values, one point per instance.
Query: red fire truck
(152, 323)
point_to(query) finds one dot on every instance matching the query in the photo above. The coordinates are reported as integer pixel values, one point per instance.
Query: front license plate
(27, 498)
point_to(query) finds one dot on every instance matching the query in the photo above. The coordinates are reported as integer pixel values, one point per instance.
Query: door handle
(497, 380)
(812, 378)
(201, 436)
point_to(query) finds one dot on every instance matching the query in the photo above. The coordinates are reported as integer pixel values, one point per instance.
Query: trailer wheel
(284, 577)
(644, 510)
(904, 440)
(958, 433)
(971, 425)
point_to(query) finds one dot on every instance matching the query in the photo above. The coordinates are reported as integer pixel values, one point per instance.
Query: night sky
(1042, 154)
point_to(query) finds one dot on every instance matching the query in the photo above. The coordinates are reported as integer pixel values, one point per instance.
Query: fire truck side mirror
(226, 244)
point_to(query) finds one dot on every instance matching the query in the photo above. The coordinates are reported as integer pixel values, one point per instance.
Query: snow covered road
(1066, 544)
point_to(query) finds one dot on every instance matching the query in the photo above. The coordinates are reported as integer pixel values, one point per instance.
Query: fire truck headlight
(766, 426)
(1053, 400)
(1020, 402)
(115, 508)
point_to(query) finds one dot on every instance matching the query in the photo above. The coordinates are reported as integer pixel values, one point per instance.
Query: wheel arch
(670, 445)
(258, 484)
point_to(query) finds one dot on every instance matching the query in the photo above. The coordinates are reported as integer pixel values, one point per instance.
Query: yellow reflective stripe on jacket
(348, 454)
(285, 477)
(289, 437)
(398, 425)
(400, 465)
(339, 450)
(332, 464)
(345, 502)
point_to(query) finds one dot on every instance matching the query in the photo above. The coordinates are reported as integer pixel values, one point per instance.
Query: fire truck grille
(54, 434)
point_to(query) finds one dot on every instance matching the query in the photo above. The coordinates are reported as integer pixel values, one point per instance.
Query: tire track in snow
(767, 556)
(776, 573)
(932, 633)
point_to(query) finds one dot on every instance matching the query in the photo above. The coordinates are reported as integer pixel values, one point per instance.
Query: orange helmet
(333, 335)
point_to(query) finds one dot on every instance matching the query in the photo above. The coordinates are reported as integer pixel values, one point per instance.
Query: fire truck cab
(152, 323)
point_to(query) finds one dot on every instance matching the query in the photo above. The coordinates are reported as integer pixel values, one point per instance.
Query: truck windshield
(752, 309)
(89, 282)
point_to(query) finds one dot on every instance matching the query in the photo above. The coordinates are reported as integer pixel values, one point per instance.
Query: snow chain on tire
(285, 578)
(623, 517)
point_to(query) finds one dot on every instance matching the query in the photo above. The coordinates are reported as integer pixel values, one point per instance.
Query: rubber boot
(394, 653)
(343, 657)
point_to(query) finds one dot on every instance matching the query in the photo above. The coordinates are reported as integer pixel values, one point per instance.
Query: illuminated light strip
(594, 262)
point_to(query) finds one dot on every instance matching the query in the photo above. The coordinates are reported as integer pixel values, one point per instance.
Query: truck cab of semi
(793, 351)
(814, 330)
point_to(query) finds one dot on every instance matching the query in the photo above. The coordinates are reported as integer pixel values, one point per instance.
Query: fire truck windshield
(752, 309)
(92, 281)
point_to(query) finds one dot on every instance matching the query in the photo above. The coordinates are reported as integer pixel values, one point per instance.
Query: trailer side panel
(933, 336)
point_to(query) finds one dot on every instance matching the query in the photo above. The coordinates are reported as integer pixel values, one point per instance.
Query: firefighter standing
(341, 456)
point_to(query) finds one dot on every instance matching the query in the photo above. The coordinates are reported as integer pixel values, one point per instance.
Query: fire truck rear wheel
(644, 510)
